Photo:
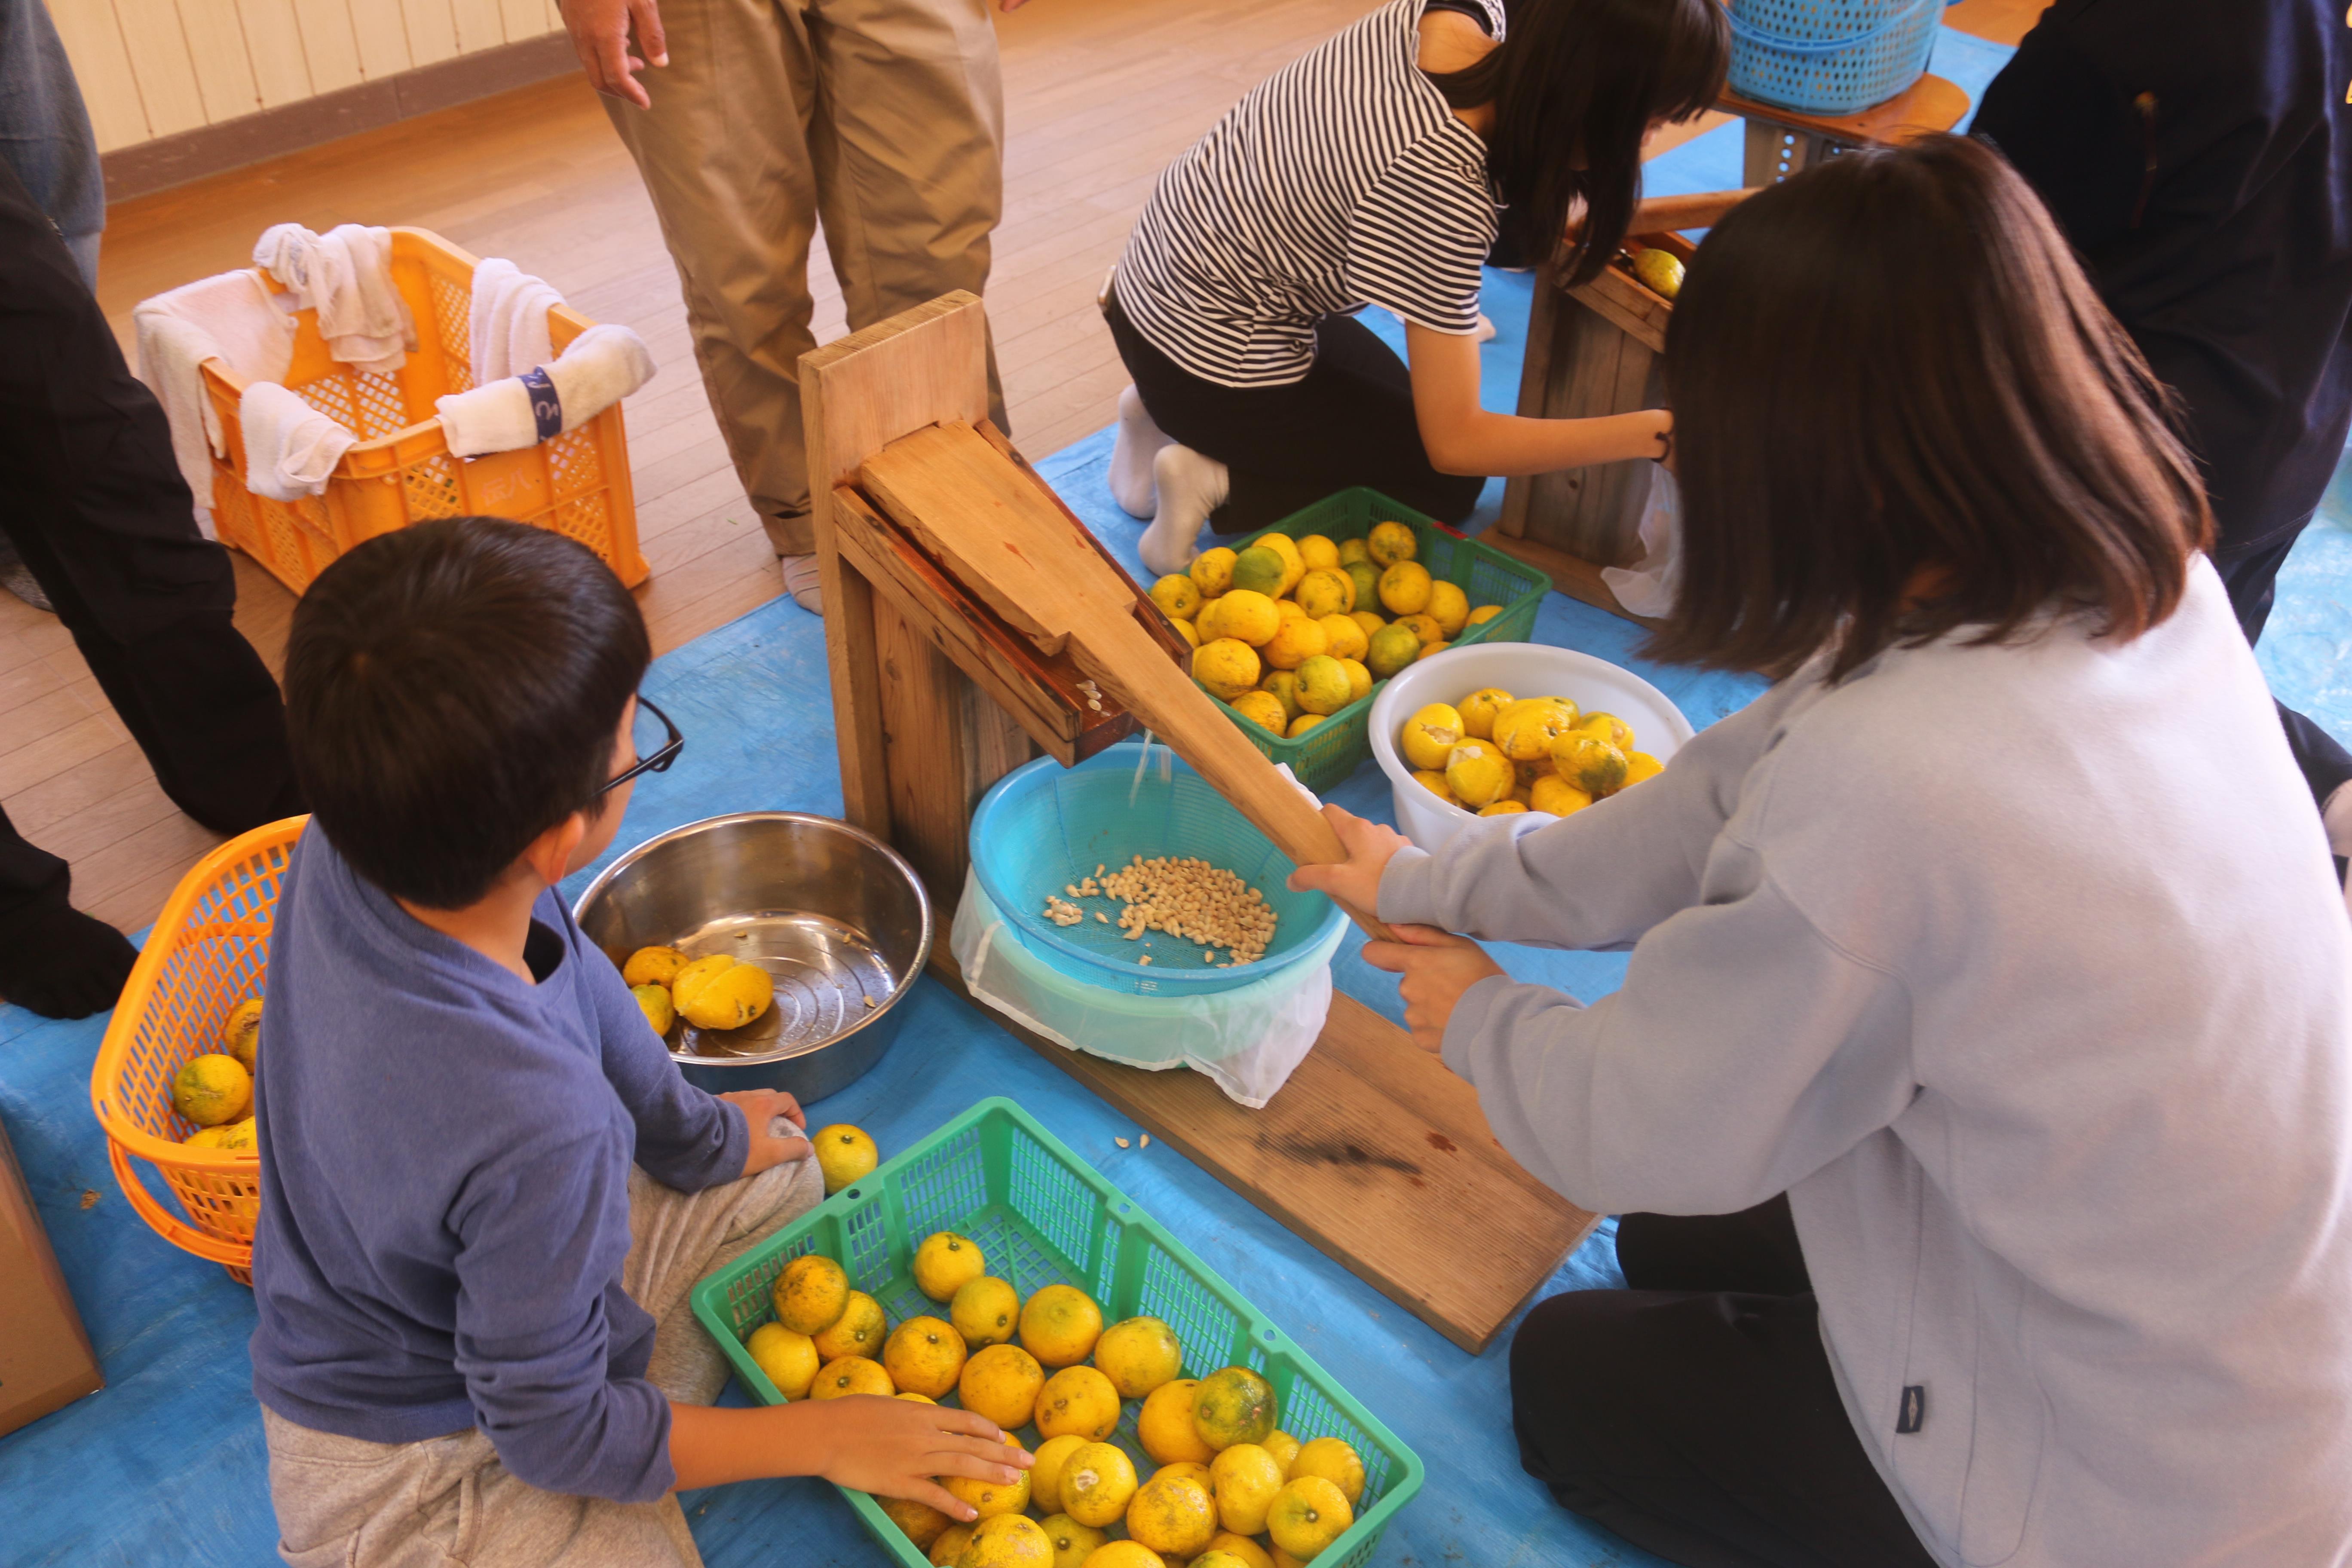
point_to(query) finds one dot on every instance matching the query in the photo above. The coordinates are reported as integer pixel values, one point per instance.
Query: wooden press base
(1374, 1153)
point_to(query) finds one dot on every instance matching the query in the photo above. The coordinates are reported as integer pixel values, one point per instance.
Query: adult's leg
(908, 144)
(1703, 1424)
(2251, 578)
(724, 153)
(54, 959)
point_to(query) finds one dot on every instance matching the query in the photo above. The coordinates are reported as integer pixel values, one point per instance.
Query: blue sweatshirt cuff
(1468, 1024)
(1405, 898)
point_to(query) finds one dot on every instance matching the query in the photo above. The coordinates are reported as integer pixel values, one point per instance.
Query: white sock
(1485, 332)
(803, 581)
(1139, 442)
(1190, 487)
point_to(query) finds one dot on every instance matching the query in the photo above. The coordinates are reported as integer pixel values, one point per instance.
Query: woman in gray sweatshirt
(1990, 984)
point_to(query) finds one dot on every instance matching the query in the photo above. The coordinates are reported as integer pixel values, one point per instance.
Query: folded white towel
(232, 317)
(508, 321)
(604, 365)
(345, 274)
(290, 448)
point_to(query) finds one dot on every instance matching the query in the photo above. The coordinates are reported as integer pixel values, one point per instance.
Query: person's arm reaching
(1463, 437)
(892, 1448)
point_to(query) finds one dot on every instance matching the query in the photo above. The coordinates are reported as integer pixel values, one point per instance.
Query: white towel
(604, 365)
(345, 274)
(232, 317)
(508, 321)
(289, 447)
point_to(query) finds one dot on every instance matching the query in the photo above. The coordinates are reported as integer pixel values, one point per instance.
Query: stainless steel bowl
(838, 920)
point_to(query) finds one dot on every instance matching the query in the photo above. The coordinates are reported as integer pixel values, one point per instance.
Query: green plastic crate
(1043, 1216)
(1330, 752)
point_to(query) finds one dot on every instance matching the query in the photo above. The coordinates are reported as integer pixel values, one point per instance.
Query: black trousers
(2251, 578)
(1694, 1413)
(91, 499)
(1350, 422)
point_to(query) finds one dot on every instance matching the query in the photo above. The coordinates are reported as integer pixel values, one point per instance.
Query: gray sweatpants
(349, 1503)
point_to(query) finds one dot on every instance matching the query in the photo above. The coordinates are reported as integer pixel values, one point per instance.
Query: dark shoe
(60, 963)
(18, 578)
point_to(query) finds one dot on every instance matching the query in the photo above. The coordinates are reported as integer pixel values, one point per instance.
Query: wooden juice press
(972, 621)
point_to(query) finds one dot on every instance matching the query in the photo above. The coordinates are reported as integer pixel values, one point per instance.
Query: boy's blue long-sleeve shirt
(445, 1158)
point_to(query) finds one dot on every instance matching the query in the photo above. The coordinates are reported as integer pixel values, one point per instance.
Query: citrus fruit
(1046, 1475)
(1282, 685)
(241, 1034)
(688, 982)
(1404, 588)
(1342, 637)
(1124, 1554)
(789, 1359)
(949, 1545)
(1000, 1381)
(654, 966)
(1212, 572)
(1336, 1460)
(924, 1355)
(922, 1524)
(1098, 1481)
(1281, 1559)
(1059, 1325)
(1608, 727)
(1527, 727)
(992, 1498)
(1262, 709)
(1173, 1515)
(1233, 1405)
(1193, 1469)
(1307, 1514)
(1282, 1447)
(811, 1293)
(1660, 271)
(1365, 578)
(1294, 565)
(212, 1088)
(1506, 806)
(654, 1002)
(1479, 774)
(1258, 570)
(1483, 614)
(1425, 626)
(1450, 605)
(1244, 615)
(1360, 678)
(1322, 594)
(1165, 1426)
(1244, 1551)
(984, 1311)
(1213, 1557)
(1139, 1354)
(911, 1397)
(1640, 765)
(1290, 611)
(1391, 650)
(234, 1135)
(1186, 630)
(1072, 1542)
(1304, 722)
(845, 1154)
(947, 1262)
(1593, 765)
(729, 999)
(1352, 551)
(1555, 796)
(1226, 665)
(1178, 596)
(1244, 1480)
(1297, 641)
(1429, 736)
(859, 1331)
(1323, 685)
(1317, 551)
(1435, 783)
(1478, 710)
(1078, 1400)
(851, 1374)
(1390, 543)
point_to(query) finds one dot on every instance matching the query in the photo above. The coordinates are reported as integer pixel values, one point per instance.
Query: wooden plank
(92, 36)
(216, 50)
(275, 44)
(163, 67)
(923, 747)
(1373, 1154)
(1927, 106)
(330, 48)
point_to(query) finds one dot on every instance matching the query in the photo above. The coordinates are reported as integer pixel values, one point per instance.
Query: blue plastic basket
(1044, 827)
(1830, 57)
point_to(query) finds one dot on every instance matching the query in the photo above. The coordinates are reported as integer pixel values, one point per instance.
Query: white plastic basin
(1523, 670)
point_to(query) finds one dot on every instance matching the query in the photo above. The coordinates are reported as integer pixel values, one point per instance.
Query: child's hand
(1438, 967)
(894, 1447)
(1355, 883)
(761, 1107)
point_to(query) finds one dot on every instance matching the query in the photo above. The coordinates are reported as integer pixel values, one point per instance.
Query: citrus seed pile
(1180, 897)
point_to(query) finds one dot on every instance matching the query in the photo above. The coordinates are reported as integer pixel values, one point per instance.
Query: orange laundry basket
(209, 950)
(401, 471)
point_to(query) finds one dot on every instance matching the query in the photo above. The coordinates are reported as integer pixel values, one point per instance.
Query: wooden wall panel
(274, 44)
(381, 34)
(329, 43)
(431, 30)
(93, 40)
(224, 70)
(480, 24)
(162, 64)
(525, 18)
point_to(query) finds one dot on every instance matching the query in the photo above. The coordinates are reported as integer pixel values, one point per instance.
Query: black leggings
(1350, 422)
(1695, 1414)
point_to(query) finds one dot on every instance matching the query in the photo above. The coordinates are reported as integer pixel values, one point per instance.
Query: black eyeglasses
(660, 761)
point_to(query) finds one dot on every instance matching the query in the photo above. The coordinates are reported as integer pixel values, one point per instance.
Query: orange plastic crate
(209, 950)
(401, 471)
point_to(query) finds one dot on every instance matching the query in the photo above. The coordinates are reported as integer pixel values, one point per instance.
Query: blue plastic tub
(1830, 57)
(1044, 827)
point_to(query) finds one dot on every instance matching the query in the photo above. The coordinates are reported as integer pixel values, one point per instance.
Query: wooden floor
(1099, 95)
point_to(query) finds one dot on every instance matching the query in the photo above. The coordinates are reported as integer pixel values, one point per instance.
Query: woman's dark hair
(1575, 85)
(453, 691)
(1901, 410)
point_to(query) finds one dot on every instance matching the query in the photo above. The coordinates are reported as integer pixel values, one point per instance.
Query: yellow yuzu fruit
(992, 1498)
(688, 982)
(859, 1331)
(911, 1397)
(1478, 710)
(654, 966)
(654, 1002)
(1282, 685)
(1371, 621)
(945, 1263)
(1352, 551)
(1233, 1405)
(1192, 1468)
(1139, 1354)
(234, 1136)
(1555, 796)
(810, 1294)
(851, 1374)
(1261, 570)
(1660, 271)
(1178, 596)
(1125, 1555)
(1059, 1325)
(1244, 1480)
(1244, 616)
(1482, 615)
(1391, 650)
(1428, 738)
(1190, 633)
(1317, 551)
(1450, 606)
(1335, 1459)
(1262, 709)
(1607, 727)
(1432, 780)
(241, 1031)
(1365, 579)
(789, 1359)
(1322, 594)
(1526, 729)
(1304, 722)
(1282, 1447)
(1000, 1381)
(845, 1154)
(949, 1545)
(1342, 637)
(1390, 543)
(1478, 774)
(1307, 1515)
(212, 1088)
(1360, 679)
(1240, 1548)
(1506, 806)
(921, 1522)
(1323, 685)
(1165, 1426)
(1294, 565)
(1425, 626)
(1046, 1475)
(1007, 1540)
(985, 1312)
(1404, 588)
(1072, 1542)
(1212, 571)
(1295, 643)
(1078, 1400)
(1640, 765)
(1591, 764)
(924, 1355)
(729, 999)
(1226, 665)
(1173, 1515)
(1097, 1483)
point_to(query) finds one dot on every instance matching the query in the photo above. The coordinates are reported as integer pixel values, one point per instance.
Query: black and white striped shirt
(1342, 181)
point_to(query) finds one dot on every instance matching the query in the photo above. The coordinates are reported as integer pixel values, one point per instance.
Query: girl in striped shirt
(1379, 169)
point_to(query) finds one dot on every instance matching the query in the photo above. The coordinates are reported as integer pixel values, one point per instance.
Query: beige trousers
(345, 1503)
(883, 118)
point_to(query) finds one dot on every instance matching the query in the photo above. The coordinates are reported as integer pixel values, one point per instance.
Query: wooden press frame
(1373, 1151)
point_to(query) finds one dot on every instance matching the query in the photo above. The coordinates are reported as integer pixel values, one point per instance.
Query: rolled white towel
(232, 317)
(290, 448)
(344, 275)
(507, 321)
(604, 365)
